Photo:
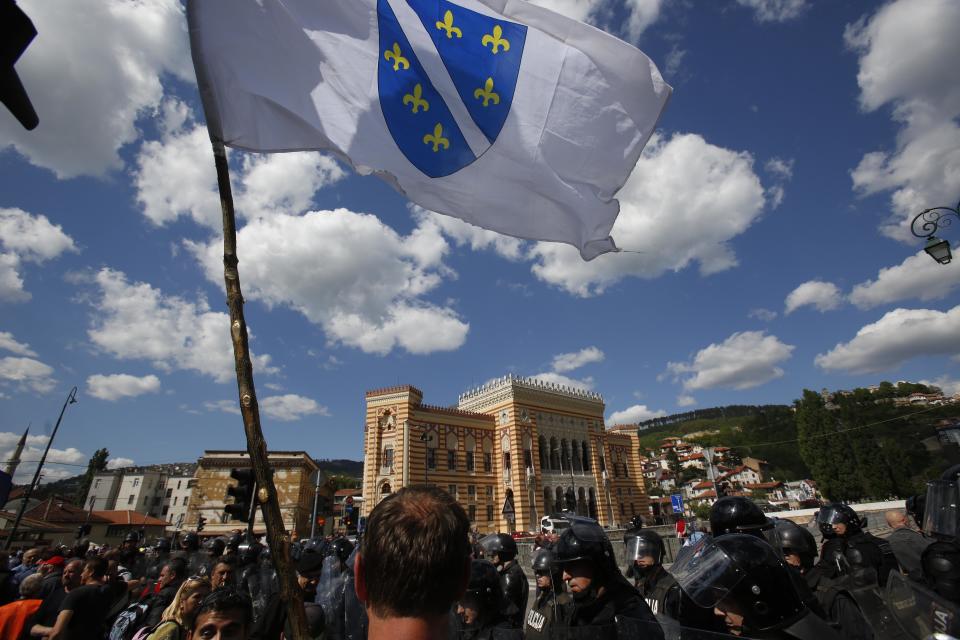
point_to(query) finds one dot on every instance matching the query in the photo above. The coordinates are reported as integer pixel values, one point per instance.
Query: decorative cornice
(476, 396)
(454, 411)
(404, 388)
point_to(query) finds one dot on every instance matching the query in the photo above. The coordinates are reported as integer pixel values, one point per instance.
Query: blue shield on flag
(444, 120)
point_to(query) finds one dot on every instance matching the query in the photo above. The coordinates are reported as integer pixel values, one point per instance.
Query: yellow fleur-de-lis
(495, 41)
(447, 25)
(436, 139)
(398, 59)
(486, 93)
(416, 100)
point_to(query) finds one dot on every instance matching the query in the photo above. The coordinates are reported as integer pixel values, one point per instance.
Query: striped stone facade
(514, 444)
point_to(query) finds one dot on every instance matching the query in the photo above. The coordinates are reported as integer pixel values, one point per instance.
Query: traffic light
(200, 522)
(242, 494)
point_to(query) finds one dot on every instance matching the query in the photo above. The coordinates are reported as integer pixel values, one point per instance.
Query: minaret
(15, 460)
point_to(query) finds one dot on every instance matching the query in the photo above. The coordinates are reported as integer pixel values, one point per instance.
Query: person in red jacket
(681, 528)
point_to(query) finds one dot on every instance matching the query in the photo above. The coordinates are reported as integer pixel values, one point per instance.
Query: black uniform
(513, 581)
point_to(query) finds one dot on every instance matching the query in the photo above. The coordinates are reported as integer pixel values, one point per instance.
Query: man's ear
(359, 579)
(462, 588)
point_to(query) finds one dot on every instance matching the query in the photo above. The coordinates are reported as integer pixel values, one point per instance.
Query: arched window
(385, 489)
(487, 455)
(586, 456)
(582, 502)
(547, 500)
(527, 443)
(577, 460)
(544, 454)
(593, 503)
(451, 451)
(471, 445)
(564, 455)
(554, 454)
(558, 504)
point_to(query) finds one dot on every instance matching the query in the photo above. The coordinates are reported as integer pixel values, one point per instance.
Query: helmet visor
(829, 515)
(941, 511)
(641, 547)
(707, 575)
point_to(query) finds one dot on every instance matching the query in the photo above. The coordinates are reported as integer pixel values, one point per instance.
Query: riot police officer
(834, 600)
(131, 559)
(331, 590)
(501, 550)
(646, 551)
(480, 612)
(635, 525)
(750, 588)
(604, 605)
(941, 559)
(837, 520)
(550, 597)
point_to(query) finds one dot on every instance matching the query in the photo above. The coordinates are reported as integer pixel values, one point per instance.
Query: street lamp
(926, 223)
(71, 399)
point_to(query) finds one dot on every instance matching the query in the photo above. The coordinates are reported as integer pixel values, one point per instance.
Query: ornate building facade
(512, 451)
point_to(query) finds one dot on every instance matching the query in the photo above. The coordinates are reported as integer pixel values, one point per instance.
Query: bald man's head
(897, 519)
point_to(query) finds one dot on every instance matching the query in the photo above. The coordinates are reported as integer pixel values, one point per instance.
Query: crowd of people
(419, 572)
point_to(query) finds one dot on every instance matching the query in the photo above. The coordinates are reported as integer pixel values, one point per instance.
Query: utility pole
(316, 498)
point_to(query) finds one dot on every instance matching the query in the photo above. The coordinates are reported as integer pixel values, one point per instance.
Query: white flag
(497, 112)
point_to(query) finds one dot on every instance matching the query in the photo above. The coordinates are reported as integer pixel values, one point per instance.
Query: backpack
(129, 621)
(146, 632)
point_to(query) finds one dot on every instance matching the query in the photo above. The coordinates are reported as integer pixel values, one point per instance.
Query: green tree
(97, 463)
(826, 452)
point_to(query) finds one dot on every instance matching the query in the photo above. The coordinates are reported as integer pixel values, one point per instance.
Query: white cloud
(634, 414)
(907, 55)
(683, 203)
(227, 406)
(916, 277)
(640, 14)
(565, 362)
(75, 459)
(349, 273)
(742, 361)
(466, 234)
(824, 296)
(119, 463)
(900, 335)
(766, 315)
(290, 407)
(9, 343)
(684, 400)
(949, 386)
(95, 67)
(775, 10)
(26, 374)
(135, 321)
(780, 167)
(673, 61)
(175, 177)
(121, 385)
(26, 238)
(585, 384)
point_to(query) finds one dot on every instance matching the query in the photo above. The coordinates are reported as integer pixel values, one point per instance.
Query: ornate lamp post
(927, 223)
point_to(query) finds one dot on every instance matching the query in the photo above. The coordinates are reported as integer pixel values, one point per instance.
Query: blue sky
(770, 209)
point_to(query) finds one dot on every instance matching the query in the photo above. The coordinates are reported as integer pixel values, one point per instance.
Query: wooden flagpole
(256, 446)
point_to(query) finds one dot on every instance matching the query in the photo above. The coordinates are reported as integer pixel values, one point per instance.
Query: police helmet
(744, 573)
(190, 541)
(941, 569)
(132, 536)
(162, 545)
(235, 540)
(797, 540)
(543, 562)
(647, 542)
(836, 513)
(636, 522)
(341, 548)
(737, 514)
(915, 507)
(585, 539)
(249, 551)
(484, 586)
(500, 544)
(316, 545)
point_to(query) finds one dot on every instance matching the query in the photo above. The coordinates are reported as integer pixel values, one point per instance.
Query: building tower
(15, 459)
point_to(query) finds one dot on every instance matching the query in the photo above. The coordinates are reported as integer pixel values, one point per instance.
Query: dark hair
(227, 599)
(178, 566)
(415, 553)
(97, 566)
